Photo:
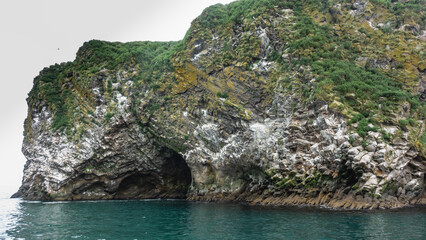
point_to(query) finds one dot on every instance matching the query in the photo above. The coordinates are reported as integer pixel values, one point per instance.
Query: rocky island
(270, 102)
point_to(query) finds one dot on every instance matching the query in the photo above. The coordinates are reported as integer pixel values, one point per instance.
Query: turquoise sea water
(163, 219)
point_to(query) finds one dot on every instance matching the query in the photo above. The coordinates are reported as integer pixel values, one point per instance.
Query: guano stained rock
(248, 107)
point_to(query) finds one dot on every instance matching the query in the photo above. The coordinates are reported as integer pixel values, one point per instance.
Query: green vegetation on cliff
(152, 58)
(367, 62)
(65, 88)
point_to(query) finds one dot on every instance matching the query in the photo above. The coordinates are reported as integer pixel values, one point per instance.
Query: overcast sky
(39, 33)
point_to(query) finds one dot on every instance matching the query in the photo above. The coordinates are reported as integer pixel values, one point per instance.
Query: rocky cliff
(266, 102)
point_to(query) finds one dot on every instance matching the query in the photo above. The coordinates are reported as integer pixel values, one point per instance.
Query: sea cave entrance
(171, 181)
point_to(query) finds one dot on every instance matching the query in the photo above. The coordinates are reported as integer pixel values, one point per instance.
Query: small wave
(30, 201)
(56, 202)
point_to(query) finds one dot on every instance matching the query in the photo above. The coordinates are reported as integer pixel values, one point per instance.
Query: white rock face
(95, 164)
(276, 154)
(290, 144)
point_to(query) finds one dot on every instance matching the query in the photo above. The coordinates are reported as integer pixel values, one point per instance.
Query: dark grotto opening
(171, 181)
(348, 177)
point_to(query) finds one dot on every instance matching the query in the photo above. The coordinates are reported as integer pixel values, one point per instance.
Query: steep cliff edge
(267, 102)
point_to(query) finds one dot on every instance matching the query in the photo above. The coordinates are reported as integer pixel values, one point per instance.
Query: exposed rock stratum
(266, 102)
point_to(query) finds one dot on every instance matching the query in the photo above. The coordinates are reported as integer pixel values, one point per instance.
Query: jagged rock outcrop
(237, 111)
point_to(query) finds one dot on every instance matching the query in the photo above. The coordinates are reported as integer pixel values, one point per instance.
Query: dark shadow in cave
(171, 181)
(348, 176)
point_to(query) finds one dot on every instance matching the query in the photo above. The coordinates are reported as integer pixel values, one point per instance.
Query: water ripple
(163, 219)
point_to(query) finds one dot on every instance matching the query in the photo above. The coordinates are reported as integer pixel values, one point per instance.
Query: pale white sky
(32, 31)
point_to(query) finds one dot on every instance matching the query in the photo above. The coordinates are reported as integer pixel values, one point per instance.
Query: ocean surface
(172, 219)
